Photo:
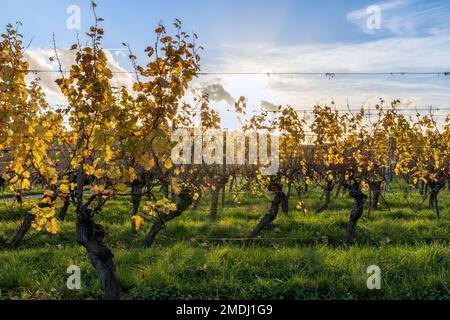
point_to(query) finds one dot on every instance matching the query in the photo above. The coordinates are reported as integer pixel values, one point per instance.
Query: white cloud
(268, 106)
(406, 18)
(397, 54)
(39, 59)
(215, 90)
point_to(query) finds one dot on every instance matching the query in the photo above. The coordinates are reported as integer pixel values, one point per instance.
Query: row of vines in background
(110, 143)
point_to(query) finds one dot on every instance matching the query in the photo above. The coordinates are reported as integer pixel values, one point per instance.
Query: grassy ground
(300, 256)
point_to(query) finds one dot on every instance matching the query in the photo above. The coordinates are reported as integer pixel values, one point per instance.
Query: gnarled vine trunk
(3, 182)
(136, 195)
(64, 209)
(423, 189)
(280, 198)
(435, 188)
(183, 202)
(165, 188)
(339, 188)
(22, 231)
(224, 188)
(289, 190)
(327, 191)
(218, 188)
(375, 188)
(357, 210)
(91, 236)
(19, 199)
(214, 205)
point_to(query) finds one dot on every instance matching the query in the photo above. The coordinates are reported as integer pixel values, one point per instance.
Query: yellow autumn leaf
(137, 221)
(108, 154)
(26, 184)
(53, 226)
(176, 189)
(97, 189)
(99, 173)
(49, 193)
(148, 164)
(129, 175)
(64, 188)
(172, 207)
(90, 170)
(307, 181)
(46, 200)
(168, 164)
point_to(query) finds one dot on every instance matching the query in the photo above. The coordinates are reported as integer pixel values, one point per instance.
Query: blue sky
(216, 21)
(270, 36)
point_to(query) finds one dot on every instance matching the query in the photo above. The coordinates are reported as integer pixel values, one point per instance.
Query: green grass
(300, 256)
